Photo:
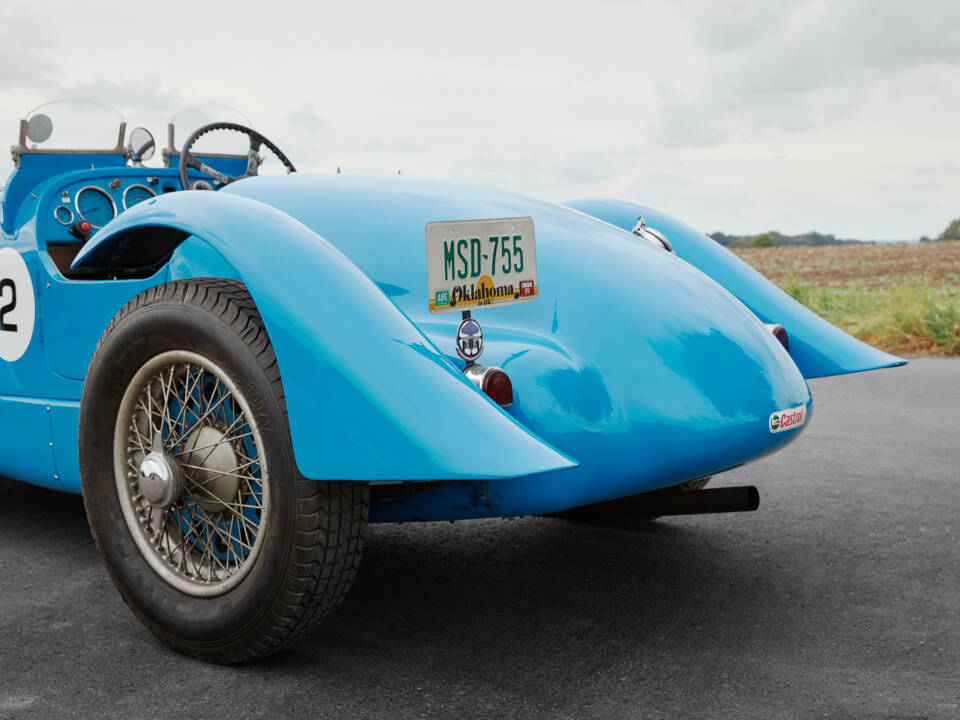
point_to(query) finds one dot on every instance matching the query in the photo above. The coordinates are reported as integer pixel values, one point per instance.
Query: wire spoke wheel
(190, 472)
(212, 536)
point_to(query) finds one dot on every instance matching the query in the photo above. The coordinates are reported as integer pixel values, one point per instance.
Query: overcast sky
(841, 116)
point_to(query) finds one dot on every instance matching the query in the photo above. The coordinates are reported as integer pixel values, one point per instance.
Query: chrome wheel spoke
(186, 435)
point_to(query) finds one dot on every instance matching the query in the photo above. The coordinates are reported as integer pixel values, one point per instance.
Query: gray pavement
(839, 598)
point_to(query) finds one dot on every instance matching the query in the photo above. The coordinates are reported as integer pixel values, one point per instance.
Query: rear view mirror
(141, 146)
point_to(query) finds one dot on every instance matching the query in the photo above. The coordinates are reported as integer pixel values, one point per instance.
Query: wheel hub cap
(212, 462)
(159, 479)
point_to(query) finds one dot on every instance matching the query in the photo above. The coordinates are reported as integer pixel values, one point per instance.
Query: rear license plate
(480, 263)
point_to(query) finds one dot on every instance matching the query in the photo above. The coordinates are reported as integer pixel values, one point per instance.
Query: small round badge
(469, 340)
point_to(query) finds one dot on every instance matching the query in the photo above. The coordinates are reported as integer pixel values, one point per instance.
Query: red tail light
(492, 381)
(780, 334)
(498, 386)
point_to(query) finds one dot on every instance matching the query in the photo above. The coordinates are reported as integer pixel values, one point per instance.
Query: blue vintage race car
(238, 379)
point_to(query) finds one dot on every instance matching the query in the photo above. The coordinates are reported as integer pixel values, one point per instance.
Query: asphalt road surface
(838, 598)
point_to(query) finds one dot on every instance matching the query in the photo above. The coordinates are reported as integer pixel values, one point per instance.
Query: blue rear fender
(631, 361)
(818, 348)
(368, 396)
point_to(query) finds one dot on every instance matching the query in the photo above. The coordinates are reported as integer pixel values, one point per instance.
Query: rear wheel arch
(313, 535)
(327, 320)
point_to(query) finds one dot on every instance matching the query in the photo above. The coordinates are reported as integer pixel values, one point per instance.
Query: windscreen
(79, 125)
(190, 119)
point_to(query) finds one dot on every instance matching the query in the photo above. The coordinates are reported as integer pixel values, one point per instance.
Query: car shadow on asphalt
(537, 602)
(545, 596)
(36, 510)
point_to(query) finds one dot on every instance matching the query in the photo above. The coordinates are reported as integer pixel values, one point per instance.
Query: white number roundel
(16, 305)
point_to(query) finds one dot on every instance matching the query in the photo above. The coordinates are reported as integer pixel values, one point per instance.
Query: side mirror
(39, 128)
(141, 146)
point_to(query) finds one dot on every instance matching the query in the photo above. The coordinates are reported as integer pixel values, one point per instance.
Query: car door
(29, 390)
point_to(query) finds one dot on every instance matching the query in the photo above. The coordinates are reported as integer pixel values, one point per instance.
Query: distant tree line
(774, 238)
(951, 233)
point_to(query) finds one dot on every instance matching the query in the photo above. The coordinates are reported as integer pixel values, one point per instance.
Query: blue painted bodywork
(818, 348)
(35, 170)
(632, 371)
(358, 401)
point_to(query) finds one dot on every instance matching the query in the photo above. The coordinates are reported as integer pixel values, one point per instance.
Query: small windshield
(72, 125)
(222, 143)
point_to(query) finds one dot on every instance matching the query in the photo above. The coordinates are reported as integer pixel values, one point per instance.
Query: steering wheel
(188, 160)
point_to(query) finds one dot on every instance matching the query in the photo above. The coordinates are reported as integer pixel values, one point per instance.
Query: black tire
(313, 537)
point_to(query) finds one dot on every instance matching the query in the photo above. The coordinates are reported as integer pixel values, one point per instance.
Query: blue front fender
(368, 396)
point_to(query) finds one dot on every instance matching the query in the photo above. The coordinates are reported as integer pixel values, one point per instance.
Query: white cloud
(740, 116)
(25, 52)
(306, 117)
(769, 67)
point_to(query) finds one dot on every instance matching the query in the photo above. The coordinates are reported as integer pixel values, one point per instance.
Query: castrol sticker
(788, 419)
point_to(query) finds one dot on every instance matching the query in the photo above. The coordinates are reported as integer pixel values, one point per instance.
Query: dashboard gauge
(63, 215)
(136, 194)
(95, 206)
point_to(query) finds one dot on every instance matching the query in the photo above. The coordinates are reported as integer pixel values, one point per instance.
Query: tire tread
(331, 516)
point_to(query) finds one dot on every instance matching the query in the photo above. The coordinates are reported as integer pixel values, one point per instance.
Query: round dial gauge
(63, 214)
(95, 206)
(136, 194)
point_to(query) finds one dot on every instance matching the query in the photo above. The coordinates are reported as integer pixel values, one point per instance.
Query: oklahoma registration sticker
(788, 419)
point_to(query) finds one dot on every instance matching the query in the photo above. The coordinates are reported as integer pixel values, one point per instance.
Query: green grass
(907, 318)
